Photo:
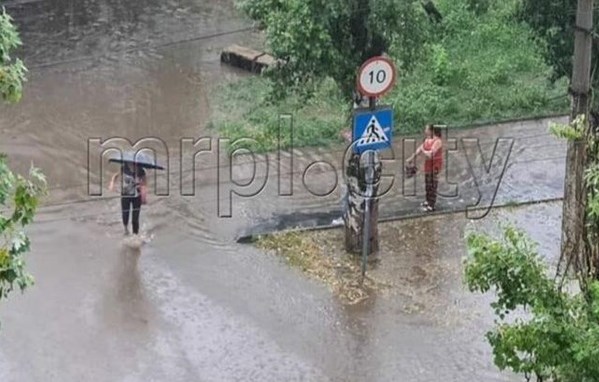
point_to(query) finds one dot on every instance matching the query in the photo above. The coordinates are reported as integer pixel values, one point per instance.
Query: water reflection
(360, 324)
(126, 306)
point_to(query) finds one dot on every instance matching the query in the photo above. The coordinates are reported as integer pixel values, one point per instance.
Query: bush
(19, 197)
(12, 72)
(253, 121)
(558, 338)
(473, 67)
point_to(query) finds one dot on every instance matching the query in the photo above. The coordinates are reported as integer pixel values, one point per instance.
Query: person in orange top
(432, 150)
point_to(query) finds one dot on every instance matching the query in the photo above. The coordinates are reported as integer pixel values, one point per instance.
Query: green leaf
(560, 336)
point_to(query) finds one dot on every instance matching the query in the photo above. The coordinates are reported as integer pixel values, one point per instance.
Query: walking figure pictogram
(373, 133)
(373, 129)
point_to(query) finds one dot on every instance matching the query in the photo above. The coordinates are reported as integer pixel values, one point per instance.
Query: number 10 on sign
(376, 76)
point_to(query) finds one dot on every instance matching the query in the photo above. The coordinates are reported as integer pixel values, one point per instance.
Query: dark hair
(436, 130)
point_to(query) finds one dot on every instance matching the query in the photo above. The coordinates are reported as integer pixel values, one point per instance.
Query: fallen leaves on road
(319, 257)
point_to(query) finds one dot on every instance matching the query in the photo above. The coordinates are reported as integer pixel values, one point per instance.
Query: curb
(253, 237)
(509, 120)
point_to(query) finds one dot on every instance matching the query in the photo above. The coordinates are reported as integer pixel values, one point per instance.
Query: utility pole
(356, 171)
(358, 183)
(575, 195)
(372, 132)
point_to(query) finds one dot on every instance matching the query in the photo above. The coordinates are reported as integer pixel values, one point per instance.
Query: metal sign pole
(373, 131)
(369, 194)
(366, 239)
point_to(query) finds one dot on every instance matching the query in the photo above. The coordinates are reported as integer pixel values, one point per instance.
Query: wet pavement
(192, 304)
(504, 164)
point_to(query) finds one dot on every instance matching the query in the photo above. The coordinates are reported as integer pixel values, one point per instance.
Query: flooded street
(192, 304)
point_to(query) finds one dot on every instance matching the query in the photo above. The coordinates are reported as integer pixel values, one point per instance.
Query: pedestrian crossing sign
(373, 129)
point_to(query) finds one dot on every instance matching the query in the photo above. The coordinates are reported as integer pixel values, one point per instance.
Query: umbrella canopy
(138, 158)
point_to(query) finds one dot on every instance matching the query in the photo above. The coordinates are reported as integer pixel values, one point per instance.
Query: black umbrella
(138, 158)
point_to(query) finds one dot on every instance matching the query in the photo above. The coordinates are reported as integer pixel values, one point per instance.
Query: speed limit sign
(376, 76)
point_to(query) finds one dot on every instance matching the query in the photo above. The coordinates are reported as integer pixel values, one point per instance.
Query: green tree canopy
(557, 337)
(332, 38)
(554, 22)
(12, 71)
(19, 196)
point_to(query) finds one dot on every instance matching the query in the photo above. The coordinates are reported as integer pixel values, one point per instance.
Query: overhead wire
(209, 202)
(207, 168)
(136, 49)
(158, 46)
(201, 203)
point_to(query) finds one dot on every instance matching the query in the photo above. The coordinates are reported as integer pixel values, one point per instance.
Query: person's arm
(436, 147)
(418, 151)
(346, 134)
(112, 180)
(142, 179)
(143, 190)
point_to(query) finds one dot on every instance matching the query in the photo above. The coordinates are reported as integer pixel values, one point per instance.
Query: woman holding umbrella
(133, 193)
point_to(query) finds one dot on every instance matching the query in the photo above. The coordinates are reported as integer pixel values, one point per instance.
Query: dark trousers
(132, 204)
(431, 181)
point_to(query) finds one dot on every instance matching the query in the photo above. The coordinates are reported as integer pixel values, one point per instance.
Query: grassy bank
(243, 111)
(475, 68)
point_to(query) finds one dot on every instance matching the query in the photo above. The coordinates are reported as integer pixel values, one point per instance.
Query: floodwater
(192, 304)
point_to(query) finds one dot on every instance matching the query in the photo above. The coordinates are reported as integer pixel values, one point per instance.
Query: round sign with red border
(376, 76)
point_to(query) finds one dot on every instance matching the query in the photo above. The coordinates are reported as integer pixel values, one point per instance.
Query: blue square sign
(373, 129)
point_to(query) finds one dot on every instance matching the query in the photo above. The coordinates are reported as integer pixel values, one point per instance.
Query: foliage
(479, 6)
(573, 131)
(19, 196)
(580, 131)
(470, 68)
(253, 123)
(553, 22)
(12, 72)
(319, 255)
(552, 334)
(591, 179)
(478, 68)
(317, 39)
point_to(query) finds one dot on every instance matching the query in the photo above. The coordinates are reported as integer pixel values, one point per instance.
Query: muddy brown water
(192, 305)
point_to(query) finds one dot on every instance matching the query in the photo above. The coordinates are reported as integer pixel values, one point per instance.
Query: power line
(9, 3)
(214, 35)
(131, 50)
(202, 203)
(332, 152)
